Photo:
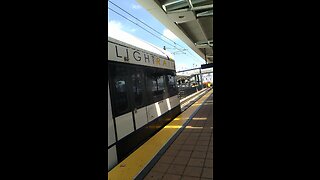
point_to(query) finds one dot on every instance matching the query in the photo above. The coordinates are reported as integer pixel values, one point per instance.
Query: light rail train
(142, 95)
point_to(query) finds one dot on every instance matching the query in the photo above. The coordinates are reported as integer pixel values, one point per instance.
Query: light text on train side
(125, 58)
(123, 53)
(139, 57)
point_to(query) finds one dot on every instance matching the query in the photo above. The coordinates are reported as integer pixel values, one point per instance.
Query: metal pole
(201, 79)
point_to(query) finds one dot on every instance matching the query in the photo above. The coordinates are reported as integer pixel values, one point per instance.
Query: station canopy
(189, 20)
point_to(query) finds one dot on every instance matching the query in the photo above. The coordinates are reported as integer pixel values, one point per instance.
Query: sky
(118, 24)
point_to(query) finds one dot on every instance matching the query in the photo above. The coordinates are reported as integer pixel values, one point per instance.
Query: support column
(201, 79)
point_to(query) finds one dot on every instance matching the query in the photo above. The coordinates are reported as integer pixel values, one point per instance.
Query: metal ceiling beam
(205, 42)
(173, 7)
(190, 3)
(203, 45)
(210, 6)
(201, 28)
(170, 2)
(200, 1)
(206, 13)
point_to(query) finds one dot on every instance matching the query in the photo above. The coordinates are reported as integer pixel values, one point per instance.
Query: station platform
(183, 149)
(190, 156)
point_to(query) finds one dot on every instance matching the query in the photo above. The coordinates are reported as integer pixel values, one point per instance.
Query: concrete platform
(190, 156)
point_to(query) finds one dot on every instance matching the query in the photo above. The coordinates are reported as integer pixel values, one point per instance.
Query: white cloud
(167, 33)
(116, 28)
(134, 6)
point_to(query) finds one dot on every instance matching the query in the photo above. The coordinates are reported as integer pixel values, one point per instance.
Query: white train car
(142, 95)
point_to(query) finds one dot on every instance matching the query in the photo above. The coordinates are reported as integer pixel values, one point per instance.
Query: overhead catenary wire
(144, 23)
(151, 32)
(142, 27)
(152, 28)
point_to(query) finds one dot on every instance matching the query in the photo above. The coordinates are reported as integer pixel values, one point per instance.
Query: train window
(120, 94)
(138, 87)
(158, 92)
(160, 81)
(172, 87)
(155, 84)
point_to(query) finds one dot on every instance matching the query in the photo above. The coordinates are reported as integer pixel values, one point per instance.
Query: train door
(139, 97)
(120, 99)
(153, 109)
(112, 151)
(127, 91)
(163, 89)
(156, 92)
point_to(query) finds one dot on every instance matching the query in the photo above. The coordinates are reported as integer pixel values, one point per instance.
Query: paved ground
(190, 156)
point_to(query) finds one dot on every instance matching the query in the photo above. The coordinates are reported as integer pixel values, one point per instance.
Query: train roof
(128, 39)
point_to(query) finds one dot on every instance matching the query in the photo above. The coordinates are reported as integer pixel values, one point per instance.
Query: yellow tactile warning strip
(133, 165)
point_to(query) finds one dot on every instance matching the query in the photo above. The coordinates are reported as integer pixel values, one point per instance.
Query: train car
(142, 95)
